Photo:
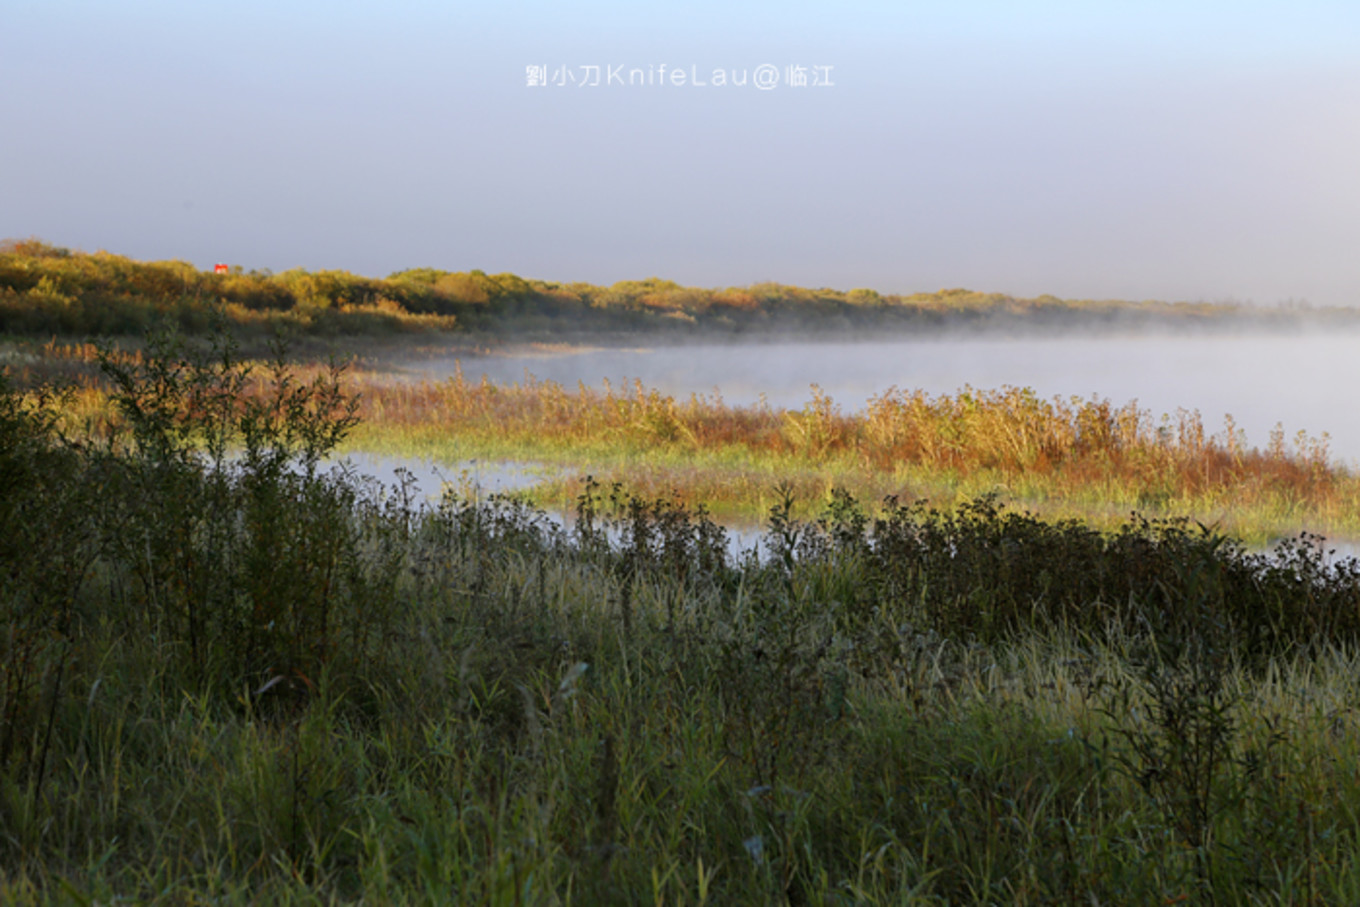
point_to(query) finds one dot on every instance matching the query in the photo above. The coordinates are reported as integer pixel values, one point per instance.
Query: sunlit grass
(1079, 458)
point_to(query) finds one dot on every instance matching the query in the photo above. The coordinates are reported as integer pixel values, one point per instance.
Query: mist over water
(1305, 382)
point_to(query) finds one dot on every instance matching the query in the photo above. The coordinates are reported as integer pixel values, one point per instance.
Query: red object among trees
(219, 268)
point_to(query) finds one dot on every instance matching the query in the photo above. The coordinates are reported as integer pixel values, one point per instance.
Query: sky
(1097, 149)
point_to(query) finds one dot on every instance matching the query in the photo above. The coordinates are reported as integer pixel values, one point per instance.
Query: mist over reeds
(1044, 453)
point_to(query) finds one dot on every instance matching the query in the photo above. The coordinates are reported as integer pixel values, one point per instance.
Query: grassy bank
(243, 679)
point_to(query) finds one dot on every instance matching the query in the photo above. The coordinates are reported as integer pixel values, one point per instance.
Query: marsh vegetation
(230, 674)
(1087, 458)
(989, 645)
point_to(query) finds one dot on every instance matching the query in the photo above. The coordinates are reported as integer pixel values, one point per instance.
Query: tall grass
(1061, 456)
(242, 679)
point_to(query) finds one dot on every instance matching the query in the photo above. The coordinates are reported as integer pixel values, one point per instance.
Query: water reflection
(466, 477)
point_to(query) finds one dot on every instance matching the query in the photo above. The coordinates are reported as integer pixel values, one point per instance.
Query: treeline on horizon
(46, 289)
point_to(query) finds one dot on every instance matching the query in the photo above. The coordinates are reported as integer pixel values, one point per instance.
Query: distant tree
(512, 285)
(735, 299)
(864, 297)
(429, 276)
(468, 288)
(33, 247)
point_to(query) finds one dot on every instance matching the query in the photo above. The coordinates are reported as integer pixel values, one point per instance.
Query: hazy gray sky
(1175, 150)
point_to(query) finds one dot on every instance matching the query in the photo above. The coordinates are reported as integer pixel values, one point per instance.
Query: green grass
(739, 737)
(238, 680)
